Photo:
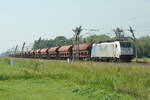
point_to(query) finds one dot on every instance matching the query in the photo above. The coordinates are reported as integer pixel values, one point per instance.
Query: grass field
(143, 60)
(51, 80)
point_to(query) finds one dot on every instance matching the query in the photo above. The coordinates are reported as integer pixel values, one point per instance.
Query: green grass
(51, 80)
(142, 60)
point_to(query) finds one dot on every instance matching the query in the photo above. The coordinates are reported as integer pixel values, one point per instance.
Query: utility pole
(11, 52)
(77, 32)
(73, 52)
(23, 49)
(134, 39)
(11, 59)
(16, 49)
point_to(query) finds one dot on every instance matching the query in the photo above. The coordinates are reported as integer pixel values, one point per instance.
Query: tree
(98, 38)
(143, 46)
(60, 40)
(41, 43)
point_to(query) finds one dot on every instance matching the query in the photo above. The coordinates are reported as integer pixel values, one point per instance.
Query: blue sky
(26, 20)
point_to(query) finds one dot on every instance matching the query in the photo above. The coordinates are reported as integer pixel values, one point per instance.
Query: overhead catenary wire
(124, 23)
(131, 20)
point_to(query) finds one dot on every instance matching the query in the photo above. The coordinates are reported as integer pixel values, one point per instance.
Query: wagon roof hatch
(44, 50)
(82, 46)
(53, 49)
(64, 48)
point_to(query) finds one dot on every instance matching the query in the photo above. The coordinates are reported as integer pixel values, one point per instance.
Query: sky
(27, 20)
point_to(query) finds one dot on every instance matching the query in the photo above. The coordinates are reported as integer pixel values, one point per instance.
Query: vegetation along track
(59, 80)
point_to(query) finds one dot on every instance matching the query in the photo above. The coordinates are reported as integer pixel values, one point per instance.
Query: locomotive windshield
(125, 44)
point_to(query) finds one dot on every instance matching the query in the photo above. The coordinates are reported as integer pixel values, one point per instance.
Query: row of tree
(143, 46)
(142, 43)
(61, 40)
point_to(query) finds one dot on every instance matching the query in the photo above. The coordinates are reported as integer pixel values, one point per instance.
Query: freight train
(105, 51)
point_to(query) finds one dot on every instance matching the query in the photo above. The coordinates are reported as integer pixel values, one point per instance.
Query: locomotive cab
(126, 51)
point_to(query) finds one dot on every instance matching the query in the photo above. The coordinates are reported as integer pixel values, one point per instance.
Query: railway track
(95, 62)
